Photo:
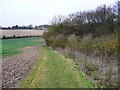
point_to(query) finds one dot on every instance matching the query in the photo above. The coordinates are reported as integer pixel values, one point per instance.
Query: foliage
(72, 42)
(93, 33)
(86, 42)
(91, 27)
(59, 41)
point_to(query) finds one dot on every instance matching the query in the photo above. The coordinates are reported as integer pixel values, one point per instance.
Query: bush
(73, 42)
(87, 42)
(59, 41)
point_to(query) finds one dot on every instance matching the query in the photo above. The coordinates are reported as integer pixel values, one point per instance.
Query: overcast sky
(36, 12)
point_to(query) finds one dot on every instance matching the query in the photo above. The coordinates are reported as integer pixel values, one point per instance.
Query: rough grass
(54, 71)
(11, 46)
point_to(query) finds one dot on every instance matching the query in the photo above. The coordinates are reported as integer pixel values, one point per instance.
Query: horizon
(23, 25)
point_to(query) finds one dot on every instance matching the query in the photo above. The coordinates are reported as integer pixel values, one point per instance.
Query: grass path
(54, 71)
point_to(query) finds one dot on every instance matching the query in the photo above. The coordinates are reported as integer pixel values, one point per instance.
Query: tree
(30, 26)
(57, 19)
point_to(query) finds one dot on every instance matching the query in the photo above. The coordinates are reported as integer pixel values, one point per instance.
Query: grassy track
(54, 71)
(11, 46)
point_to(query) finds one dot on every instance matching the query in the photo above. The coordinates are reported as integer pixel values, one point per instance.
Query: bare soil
(15, 68)
(38, 40)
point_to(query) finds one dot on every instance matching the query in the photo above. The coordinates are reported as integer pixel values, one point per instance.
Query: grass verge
(54, 71)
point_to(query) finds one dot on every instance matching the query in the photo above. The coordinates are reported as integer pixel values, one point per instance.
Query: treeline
(100, 22)
(15, 37)
(40, 27)
(93, 33)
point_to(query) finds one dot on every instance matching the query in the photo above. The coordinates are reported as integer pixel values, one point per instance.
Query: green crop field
(11, 46)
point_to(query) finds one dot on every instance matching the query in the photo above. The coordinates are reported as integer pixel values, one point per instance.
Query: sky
(39, 12)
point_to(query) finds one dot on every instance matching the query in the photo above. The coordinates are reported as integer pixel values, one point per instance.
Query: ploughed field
(10, 33)
(18, 57)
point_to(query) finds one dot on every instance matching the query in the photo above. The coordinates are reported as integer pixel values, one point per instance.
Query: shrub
(87, 42)
(73, 42)
(59, 41)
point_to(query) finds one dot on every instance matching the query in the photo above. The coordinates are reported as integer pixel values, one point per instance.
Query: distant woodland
(39, 27)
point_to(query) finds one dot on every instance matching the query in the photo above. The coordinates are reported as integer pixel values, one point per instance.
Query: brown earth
(38, 40)
(15, 68)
